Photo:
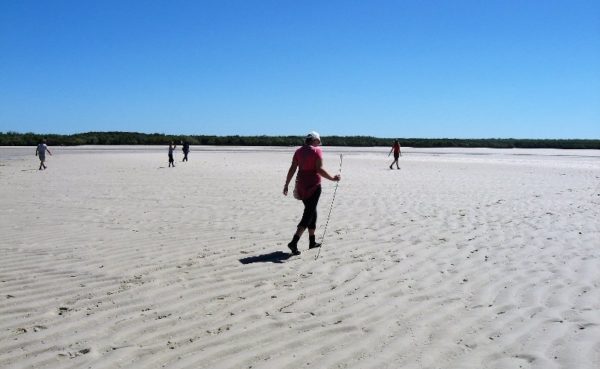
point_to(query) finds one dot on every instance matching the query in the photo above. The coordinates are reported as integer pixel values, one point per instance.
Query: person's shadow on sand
(274, 257)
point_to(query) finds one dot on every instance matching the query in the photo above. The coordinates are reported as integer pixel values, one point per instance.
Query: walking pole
(330, 208)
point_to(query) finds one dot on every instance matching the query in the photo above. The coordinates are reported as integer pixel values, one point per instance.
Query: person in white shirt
(40, 152)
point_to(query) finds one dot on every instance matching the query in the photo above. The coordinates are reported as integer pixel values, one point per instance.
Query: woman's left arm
(324, 173)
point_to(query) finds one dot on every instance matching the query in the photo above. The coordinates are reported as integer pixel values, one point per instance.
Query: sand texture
(464, 258)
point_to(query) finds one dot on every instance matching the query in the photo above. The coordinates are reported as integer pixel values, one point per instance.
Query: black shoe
(312, 243)
(292, 246)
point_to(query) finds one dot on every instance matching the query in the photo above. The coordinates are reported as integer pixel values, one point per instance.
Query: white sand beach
(464, 258)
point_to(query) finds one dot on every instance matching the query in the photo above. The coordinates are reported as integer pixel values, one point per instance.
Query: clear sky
(405, 68)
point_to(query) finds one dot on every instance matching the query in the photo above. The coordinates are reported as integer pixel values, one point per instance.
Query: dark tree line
(135, 138)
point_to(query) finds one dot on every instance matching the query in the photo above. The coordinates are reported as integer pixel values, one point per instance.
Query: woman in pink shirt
(308, 159)
(397, 154)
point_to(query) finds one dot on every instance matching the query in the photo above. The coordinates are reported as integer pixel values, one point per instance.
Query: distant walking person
(186, 150)
(172, 147)
(308, 159)
(40, 152)
(397, 153)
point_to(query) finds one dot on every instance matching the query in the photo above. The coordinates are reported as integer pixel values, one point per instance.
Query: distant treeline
(134, 138)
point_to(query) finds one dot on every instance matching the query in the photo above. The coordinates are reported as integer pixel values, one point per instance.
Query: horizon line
(293, 135)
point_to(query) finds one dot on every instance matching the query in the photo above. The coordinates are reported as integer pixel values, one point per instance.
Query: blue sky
(465, 69)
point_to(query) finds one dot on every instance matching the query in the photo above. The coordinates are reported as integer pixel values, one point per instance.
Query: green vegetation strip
(134, 138)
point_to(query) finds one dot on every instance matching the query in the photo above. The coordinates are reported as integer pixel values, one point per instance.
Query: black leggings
(309, 217)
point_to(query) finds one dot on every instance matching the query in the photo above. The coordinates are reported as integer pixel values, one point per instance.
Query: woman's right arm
(290, 175)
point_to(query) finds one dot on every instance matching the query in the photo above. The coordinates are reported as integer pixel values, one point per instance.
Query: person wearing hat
(308, 160)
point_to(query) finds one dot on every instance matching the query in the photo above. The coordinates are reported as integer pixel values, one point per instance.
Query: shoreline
(22, 150)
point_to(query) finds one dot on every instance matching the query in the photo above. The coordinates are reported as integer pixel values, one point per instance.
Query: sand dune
(464, 258)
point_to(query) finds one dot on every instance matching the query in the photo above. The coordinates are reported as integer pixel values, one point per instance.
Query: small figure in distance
(186, 150)
(308, 160)
(397, 153)
(40, 152)
(172, 147)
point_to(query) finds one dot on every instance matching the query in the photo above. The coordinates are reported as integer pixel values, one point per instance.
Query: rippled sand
(464, 258)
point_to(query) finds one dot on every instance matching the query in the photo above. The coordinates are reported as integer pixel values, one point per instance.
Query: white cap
(313, 135)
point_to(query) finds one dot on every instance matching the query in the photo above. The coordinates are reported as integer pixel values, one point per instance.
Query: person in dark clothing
(186, 150)
(172, 147)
